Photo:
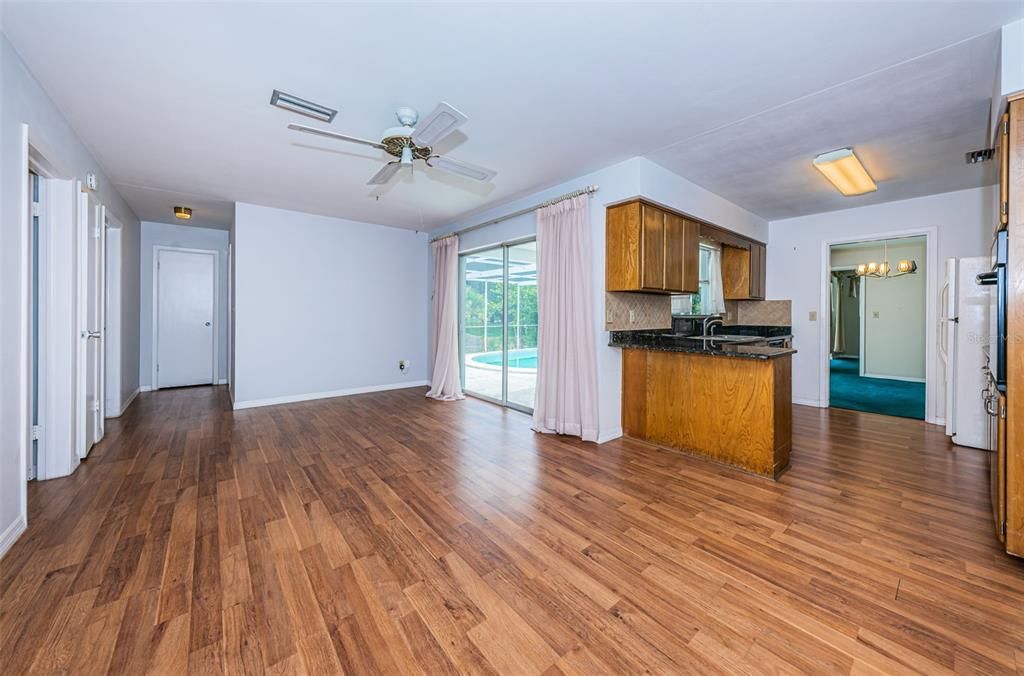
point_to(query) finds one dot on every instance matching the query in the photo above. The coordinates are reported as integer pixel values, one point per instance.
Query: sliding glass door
(498, 332)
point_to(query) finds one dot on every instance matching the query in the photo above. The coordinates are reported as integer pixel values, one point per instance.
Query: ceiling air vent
(979, 156)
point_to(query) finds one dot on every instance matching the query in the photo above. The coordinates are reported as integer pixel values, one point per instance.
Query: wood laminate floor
(387, 533)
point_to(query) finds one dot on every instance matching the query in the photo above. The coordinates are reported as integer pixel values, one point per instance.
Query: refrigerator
(965, 337)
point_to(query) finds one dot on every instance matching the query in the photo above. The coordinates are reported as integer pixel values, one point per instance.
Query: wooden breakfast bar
(731, 403)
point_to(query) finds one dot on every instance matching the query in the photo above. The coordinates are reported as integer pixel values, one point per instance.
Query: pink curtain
(566, 400)
(444, 321)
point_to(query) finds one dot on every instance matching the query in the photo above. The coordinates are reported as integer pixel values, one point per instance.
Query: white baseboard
(610, 435)
(310, 396)
(904, 378)
(145, 388)
(809, 402)
(222, 381)
(11, 534)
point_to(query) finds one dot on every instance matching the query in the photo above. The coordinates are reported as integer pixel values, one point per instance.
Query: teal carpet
(874, 395)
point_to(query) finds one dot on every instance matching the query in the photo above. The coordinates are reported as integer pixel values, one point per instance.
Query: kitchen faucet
(710, 322)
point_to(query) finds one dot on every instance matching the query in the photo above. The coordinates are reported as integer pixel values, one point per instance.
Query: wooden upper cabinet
(650, 249)
(743, 271)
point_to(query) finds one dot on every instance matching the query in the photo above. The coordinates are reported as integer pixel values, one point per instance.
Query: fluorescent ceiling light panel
(302, 106)
(844, 171)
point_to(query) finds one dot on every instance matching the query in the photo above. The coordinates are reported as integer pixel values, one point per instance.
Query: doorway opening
(878, 326)
(498, 323)
(186, 288)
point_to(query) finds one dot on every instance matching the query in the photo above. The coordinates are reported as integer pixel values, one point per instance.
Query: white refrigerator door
(947, 342)
(971, 425)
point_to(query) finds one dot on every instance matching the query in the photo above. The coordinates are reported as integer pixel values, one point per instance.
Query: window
(695, 303)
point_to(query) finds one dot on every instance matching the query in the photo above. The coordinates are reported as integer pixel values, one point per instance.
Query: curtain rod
(590, 189)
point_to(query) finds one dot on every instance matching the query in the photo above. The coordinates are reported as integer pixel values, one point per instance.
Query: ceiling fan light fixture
(184, 213)
(302, 106)
(844, 171)
(406, 156)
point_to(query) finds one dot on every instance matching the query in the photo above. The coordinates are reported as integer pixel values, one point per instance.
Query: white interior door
(92, 295)
(186, 289)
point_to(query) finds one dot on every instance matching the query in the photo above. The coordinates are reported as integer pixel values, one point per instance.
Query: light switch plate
(812, 315)
(875, 314)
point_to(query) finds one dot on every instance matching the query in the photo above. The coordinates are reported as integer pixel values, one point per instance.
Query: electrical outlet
(812, 316)
(632, 316)
(403, 364)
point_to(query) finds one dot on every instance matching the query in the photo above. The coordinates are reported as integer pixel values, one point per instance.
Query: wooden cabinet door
(622, 247)
(652, 249)
(675, 248)
(758, 260)
(736, 272)
(691, 257)
(1003, 157)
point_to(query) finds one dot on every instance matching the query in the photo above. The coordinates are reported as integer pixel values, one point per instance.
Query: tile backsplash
(629, 311)
(759, 312)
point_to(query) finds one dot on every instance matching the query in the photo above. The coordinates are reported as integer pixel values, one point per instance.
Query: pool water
(517, 359)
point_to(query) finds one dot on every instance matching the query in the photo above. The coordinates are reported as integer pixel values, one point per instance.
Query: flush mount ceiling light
(184, 213)
(844, 171)
(302, 106)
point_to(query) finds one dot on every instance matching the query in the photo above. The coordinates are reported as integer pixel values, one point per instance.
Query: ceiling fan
(413, 140)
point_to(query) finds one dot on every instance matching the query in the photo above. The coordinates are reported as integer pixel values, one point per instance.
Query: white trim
(610, 435)
(11, 534)
(145, 388)
(215, 254)
(809, 402)
(291, 398)
(221, 381)
(908, 379)
(931, 300)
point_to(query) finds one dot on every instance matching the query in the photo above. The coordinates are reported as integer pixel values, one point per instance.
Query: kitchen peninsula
(727, 398)
(727, 402)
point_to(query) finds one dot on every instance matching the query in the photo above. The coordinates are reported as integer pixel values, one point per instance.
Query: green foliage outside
(483, 316)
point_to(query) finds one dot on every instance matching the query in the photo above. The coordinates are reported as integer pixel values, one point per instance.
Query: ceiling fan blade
(461, 168)
(385, 174)
(334, 135)
(441, 121)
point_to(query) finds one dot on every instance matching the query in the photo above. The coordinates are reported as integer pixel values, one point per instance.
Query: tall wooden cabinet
(650, 249)
(1012, 210)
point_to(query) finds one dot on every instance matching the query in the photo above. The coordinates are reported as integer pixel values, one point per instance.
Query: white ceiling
(172, 98)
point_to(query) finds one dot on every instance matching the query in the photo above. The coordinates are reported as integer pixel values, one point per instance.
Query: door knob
(207, 324)
(90, 334)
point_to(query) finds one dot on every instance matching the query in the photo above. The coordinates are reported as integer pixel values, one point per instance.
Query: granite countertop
(666, 341)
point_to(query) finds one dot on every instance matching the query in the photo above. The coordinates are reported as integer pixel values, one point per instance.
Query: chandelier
(883, 270)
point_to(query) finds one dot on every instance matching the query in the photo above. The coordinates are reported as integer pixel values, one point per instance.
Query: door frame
(931, 311)
(504, 246)
(215, 254)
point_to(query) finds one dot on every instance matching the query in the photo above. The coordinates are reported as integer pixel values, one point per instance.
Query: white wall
(631, 178)
(324, 306)
(22, 101)
(963, 222)
(188, 237)
(894, 340)
(1011, 61)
